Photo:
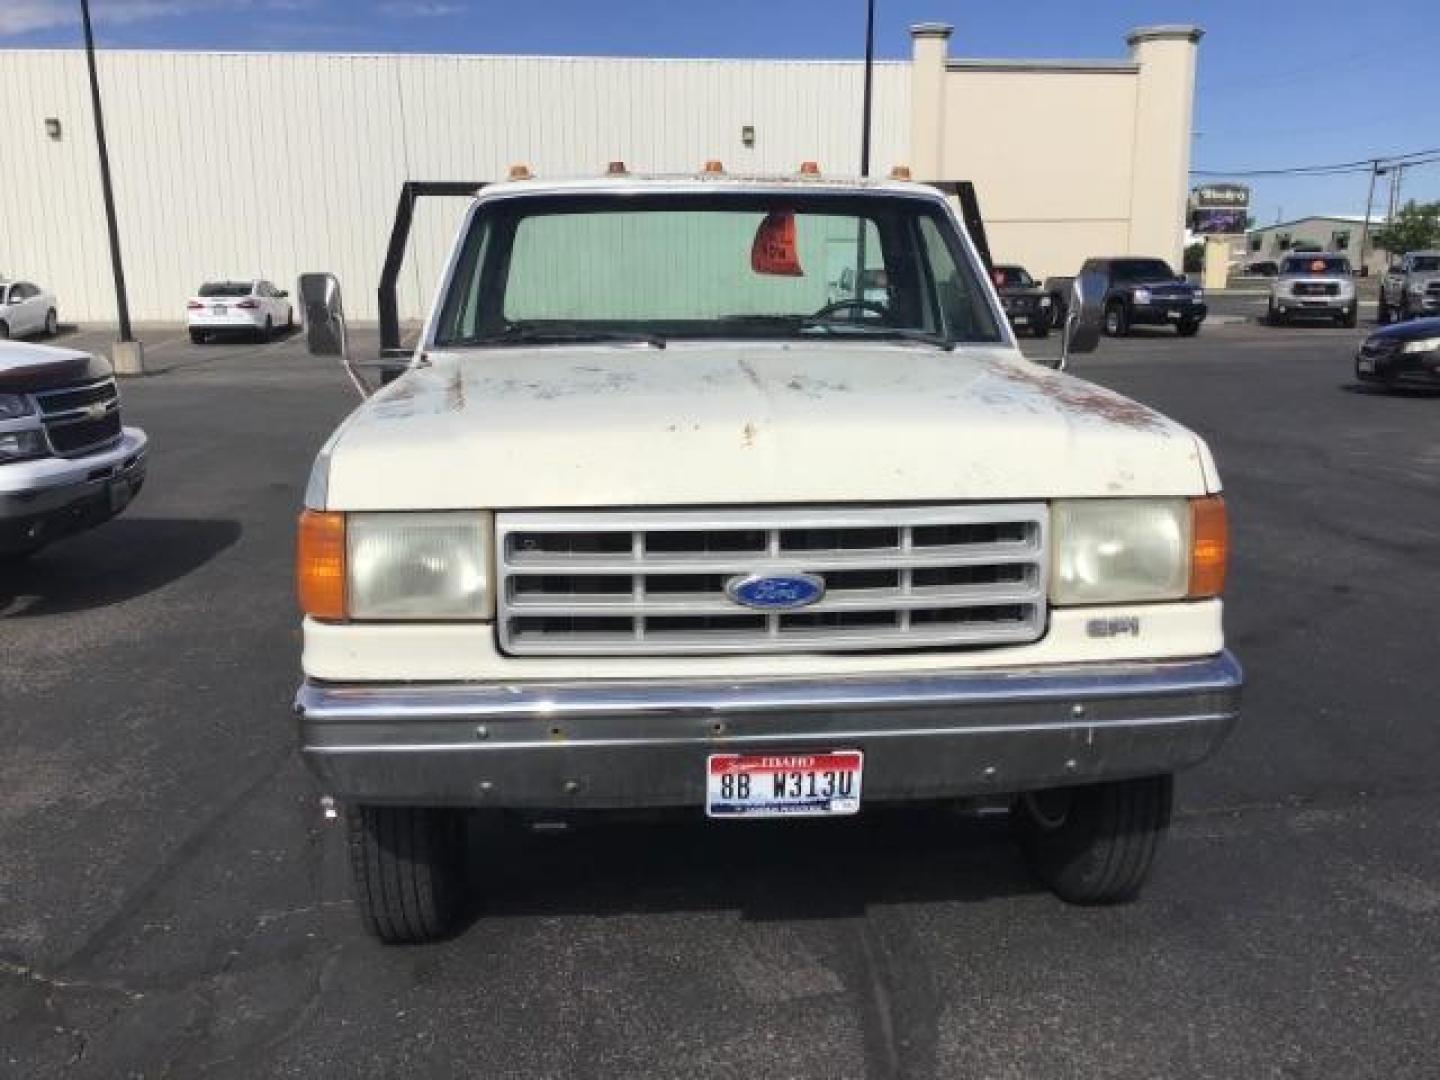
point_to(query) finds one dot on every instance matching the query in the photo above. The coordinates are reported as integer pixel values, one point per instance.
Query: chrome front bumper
(625, 743)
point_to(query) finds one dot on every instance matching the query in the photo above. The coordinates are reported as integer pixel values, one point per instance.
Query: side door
(29, 316)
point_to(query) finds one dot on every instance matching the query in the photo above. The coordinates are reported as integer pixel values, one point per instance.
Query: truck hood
(29, 368)
(742, 424)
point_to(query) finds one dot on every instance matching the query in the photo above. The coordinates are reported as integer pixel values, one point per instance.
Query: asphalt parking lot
(174, 905)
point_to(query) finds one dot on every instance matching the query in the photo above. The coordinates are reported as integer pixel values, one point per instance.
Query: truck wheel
(1350, 319)
(4, 330)
(52, 323)
(408, 864)
(1187, 327)
(1057, 311)
(197, 337)
(1273, 317)
(1095, 844)
(1117, 322)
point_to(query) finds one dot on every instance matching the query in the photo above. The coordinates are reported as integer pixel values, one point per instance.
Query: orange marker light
(521, 172)
(320, 565)
(714, 165)
(900, 172)
(1209, 547)
(616, 168)
(809, 168)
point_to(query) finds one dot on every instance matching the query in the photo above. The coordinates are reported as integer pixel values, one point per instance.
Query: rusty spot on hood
(1076, 396)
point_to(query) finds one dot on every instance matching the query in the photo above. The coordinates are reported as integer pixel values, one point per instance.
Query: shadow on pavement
(123, 559)
(763, 870)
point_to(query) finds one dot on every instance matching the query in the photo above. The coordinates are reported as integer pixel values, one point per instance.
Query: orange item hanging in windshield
(774, 250)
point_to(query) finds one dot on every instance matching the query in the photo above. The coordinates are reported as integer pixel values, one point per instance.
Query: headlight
(22, 445)
(1113, 551)
(13, 406)
(1141, 296)
(417, 566)
(394, 566)
(1429, 344)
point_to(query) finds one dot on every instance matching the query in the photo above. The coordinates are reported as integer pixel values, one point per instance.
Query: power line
(1338, 168)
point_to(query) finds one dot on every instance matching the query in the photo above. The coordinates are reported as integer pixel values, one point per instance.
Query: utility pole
(129, 359)
(1396, 170)
(1365, 222)
(869, 82)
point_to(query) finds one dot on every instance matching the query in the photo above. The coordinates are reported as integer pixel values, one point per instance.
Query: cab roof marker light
(809, 168)
(714, 165)
(521, 171)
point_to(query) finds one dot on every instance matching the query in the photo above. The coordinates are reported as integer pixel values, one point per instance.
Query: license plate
(220, 309)
(1173, 314)
(783, 785)
(1022, 320)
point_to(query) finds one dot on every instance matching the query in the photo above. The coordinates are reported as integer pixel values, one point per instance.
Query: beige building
(1336, 233)
(269, 164)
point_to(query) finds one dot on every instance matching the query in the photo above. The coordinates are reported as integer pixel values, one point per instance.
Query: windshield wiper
(534, 335)
(900, 333)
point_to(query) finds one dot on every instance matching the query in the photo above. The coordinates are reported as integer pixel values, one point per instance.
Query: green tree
(1416, 226)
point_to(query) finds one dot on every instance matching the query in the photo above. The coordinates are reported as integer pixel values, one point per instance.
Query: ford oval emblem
(775, 592)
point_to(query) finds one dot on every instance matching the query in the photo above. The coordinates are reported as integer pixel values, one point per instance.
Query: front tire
(1187, 327)
(4, 331)
(1040, 328)
(197, 337)
(1273, 317)
(1351, 318)
(267, 332)
(52, 323)
(408, 867)
(1095, 844)
(1117, 319)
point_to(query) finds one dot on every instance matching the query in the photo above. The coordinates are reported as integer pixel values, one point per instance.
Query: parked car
(1140, 291)
(1262, 268)
(1404, 355)
(1026, 305)
(26, 309)
(1313, 286)
(66, 461)
(707, 540)
(255, 308)
(1411, 288)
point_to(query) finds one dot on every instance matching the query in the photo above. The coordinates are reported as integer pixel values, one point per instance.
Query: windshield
(1142, 270)
(1316, 264)
(1425, 264)
(562, 268)
(226, 288)
(1009, 277)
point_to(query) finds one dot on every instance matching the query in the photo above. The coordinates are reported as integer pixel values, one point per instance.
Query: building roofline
(1084, 67)
(1167, 32)
(1344, 219)
(377, 55)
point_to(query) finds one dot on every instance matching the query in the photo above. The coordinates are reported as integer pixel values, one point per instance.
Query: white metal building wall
(270, 164)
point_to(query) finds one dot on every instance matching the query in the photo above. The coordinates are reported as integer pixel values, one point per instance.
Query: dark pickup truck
(1139, 291)
(1026, 304)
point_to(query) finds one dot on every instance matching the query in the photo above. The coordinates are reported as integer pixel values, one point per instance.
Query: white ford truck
(67, 463)
(653, 520)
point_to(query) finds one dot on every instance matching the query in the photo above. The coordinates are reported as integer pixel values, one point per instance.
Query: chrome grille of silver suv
(655, 582)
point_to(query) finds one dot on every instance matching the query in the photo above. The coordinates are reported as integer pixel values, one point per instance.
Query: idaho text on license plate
(779, 785)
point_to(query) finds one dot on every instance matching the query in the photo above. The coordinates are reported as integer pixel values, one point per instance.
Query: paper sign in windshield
(774, 250)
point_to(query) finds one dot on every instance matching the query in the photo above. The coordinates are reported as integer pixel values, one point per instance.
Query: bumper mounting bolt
(327, 807)
(1071, 765)
(482, 732)
(572, 787)
(1077, 711)
(989, 773)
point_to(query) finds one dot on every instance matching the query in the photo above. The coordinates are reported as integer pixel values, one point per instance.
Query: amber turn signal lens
(320, 565)
(1209, 547)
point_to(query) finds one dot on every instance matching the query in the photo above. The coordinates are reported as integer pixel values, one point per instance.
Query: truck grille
(656, 583)
(80, 419)
(1316, 288)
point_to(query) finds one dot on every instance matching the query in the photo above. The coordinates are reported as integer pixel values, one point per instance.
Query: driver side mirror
(1084, 316)
(325, 329)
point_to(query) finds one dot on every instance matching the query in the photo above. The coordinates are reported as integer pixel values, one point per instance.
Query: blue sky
(1280, 84)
